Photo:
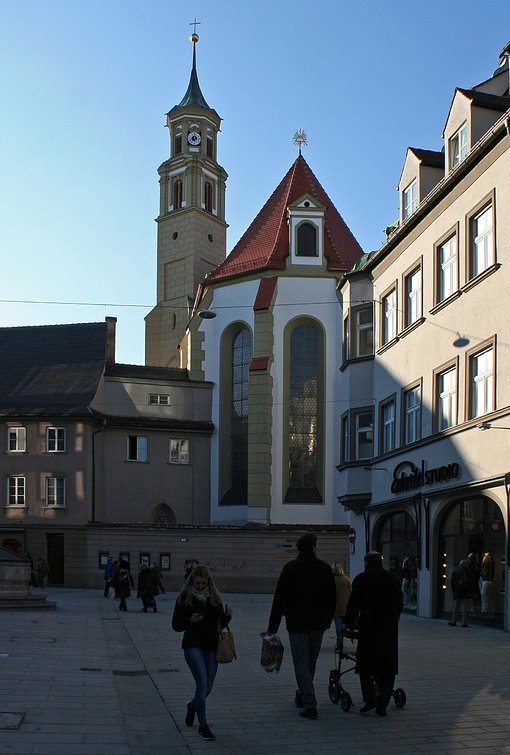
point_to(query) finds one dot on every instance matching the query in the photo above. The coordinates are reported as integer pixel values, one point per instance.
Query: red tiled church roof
(265, 245)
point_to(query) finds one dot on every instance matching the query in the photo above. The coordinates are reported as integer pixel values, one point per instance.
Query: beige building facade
(424, 453)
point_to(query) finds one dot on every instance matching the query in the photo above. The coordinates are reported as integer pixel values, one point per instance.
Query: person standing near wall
(343, 590)
(463, 587)
(109, 571)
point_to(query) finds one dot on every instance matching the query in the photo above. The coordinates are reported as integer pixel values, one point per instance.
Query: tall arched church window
(177, 194)
(303, 438)
(208, 196)
(307, 240)
(241, 358)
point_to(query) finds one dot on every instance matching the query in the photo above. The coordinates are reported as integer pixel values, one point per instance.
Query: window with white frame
(458, 147)
(55, 439)
(347, 338)
(137, 448)
(179, 451)
(447, 269)
(389, 324)
(364, 319)
(16, 491)
(364, 438)
(482, 242)
(307, 240)
(55, 491)
(412, 414)
(482, 382)
(387, 422)
(345, 439)
(447, 399)
(159, 398)
(17, 438)
(410, 199)
(413, 297)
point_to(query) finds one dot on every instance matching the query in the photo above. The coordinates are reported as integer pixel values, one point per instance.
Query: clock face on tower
(194, 138)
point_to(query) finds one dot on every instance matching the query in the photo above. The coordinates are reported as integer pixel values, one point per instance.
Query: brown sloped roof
(265, 245)
(50, 368)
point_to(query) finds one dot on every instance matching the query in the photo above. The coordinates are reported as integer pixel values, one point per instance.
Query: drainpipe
(93, 495)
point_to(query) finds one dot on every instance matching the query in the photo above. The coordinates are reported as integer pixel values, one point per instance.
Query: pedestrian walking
(198, 612)
(147, 588)
(306, 595)
(463, 588)
(109, 571)
(376, 602)
(122, 581)
(487, 571)
(343, 590)
(41, 572)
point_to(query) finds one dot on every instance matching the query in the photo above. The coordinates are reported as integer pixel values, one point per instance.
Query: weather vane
(194, 24)
(300, 139)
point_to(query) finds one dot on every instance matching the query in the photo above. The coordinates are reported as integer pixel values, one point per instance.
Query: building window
(482, 382)
(209, 147)
(17, 439)
(387, 425)
(458, 147)
(208, 193)
(137, 448)
(410, 199)
(447, 267)
(55, 439)
(16, 491)
(307, 240)
(55, 491)
(241, 358)
(482, 242)
(389, 325)
(179, 451)
(364, 319)
(364, 428)
(177, 194)
(178, 144)
(447, 399)
(346, 349)
(345, 439)
(159, 398)
(412, 287)
(303, 416)
(412, 414)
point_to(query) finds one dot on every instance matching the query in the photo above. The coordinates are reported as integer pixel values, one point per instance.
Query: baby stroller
(337, 693)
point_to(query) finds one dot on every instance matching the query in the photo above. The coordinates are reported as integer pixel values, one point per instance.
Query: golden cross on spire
(194, 24)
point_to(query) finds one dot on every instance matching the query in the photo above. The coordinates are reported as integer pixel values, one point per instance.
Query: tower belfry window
(209, 146)
(208, 196)
(177, 194)
(178, 144)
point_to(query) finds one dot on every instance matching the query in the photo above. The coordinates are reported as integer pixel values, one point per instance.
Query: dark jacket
(147, 583)
(376, 599)
(462, 583)
(200, 634)
(122, 586)
(305, 594)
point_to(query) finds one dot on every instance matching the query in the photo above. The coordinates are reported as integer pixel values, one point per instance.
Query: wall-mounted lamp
(489, 426)
(207, 314)
(460, 341)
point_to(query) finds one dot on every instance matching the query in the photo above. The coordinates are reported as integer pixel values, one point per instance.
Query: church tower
(191, 222)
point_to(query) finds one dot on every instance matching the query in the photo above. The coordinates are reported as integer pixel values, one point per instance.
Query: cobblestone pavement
(87, 679)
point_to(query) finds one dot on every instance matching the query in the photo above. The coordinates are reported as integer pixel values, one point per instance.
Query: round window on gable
(307, 204)
(174, 235)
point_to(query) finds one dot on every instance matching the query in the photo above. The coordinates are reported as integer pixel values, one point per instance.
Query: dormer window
(307, 240)
(410, 199)
(458, 147)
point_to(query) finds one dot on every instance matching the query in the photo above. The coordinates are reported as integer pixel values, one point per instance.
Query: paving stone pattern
(88, 679)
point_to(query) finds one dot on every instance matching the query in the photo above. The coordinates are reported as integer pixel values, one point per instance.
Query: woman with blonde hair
(197, 612)
(343, 590)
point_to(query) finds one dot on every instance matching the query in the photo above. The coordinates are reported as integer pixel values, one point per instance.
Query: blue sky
(85, 85)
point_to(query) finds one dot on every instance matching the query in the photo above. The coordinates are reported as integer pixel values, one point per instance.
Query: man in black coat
(306, 595)
(377, 599)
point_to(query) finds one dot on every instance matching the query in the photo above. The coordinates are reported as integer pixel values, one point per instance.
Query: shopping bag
(111, 593)
(272, 652)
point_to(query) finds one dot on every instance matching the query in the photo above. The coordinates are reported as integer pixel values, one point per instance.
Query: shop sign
(406, 476)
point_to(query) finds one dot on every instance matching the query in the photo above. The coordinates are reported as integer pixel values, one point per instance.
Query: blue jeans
(339, 622)
(203, 666)
(305, 648)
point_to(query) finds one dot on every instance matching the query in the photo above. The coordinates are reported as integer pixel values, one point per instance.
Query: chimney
(111, 327)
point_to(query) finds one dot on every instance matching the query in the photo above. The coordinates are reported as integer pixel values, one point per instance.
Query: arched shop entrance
(474, 526)
(397, 541)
